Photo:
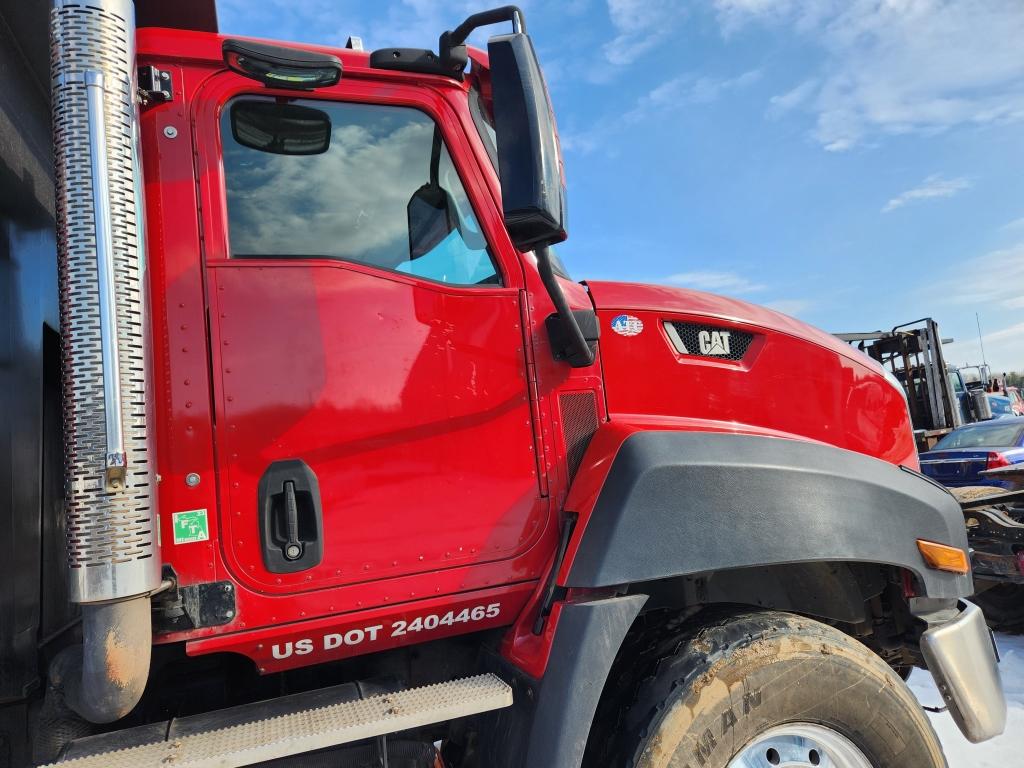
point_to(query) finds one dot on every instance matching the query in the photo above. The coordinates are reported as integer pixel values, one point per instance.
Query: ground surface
(1005, 751)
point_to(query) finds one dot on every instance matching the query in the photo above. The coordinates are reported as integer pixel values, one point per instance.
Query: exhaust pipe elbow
(103, 679)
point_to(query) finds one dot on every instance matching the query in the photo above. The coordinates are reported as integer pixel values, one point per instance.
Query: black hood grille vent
(579, 423)
(711, 341)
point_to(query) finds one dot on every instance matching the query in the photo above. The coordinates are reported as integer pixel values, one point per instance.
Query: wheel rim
(796, 745)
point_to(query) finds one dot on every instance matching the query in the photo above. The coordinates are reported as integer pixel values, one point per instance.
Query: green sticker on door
(190, 526)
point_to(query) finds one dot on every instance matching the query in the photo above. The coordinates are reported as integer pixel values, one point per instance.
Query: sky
(856, 163)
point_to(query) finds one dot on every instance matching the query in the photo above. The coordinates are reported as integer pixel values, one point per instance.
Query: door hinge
(155, 85)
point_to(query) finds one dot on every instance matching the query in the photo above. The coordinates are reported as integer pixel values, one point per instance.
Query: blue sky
(856, 163)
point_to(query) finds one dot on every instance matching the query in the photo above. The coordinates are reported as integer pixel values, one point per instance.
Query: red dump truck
(312, 453)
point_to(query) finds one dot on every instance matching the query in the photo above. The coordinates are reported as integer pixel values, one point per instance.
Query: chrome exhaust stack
(114, 563)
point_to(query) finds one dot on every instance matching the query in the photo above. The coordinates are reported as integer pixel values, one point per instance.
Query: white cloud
(794, 307)
(736, 284)
(899, 66)
(1014, 225)
(993, 280)
(369, 218)
(695, 90)
(1004, 348)
(932, 187)
(640, 25)
(717, 282)
(1013, 332)
(670, 95)
(805, 14)
(400, 23)
(418, 23)
(792, 99)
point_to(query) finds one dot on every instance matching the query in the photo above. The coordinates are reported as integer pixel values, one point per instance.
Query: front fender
(676, 502)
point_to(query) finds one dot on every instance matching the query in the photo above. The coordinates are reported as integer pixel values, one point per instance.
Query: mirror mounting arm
(581, 354)
(452, 45)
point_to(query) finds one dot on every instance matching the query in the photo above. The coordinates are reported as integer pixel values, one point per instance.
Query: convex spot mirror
(529, 158)
(281, 129)
(432, 217)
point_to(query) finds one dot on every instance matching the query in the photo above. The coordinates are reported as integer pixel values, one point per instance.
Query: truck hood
(701, 361)
(607, 295)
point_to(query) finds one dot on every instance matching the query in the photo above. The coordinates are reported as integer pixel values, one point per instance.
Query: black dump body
(33, 601)
(36, 618)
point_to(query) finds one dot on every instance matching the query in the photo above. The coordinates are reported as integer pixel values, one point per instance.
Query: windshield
(982, 435)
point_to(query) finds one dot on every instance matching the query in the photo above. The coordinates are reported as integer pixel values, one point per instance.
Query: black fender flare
(550, 718)
(678, 503)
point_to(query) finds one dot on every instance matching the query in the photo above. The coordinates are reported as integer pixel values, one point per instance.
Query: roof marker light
(279, 67)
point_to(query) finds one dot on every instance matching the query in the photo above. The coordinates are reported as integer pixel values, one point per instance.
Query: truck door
(371, 393)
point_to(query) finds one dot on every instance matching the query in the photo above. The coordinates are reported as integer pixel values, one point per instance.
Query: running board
(263, 731)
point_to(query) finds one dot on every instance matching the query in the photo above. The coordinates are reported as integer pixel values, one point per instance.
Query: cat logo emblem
(713, 342)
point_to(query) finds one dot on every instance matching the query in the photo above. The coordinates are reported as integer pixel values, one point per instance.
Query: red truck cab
(335, 413)
(415, 403)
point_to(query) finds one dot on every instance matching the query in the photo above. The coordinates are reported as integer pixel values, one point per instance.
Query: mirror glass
(529, 158)
(432, 217)
(281, 129)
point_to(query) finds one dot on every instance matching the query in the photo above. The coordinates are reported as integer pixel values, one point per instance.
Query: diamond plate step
(255, 739)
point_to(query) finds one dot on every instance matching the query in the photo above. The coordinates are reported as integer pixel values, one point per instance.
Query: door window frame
(219, 90)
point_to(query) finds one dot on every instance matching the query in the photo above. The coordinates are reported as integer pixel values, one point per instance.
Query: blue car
(958, 459)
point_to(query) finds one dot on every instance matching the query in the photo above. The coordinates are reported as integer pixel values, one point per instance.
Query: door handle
(292, 547)
(291, 519)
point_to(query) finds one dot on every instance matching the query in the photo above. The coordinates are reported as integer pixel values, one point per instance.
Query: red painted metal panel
(182, 386)
(408, 401)
(287, 646)
(794, 379)
(491, 499)
(426, 410)
(407, 398)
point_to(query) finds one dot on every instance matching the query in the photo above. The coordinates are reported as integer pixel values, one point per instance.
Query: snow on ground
(1004, 751)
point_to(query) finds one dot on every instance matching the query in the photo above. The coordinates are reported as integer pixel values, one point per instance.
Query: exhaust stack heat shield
(111, 497)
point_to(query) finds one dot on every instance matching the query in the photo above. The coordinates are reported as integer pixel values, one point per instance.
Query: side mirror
(529, 158)
(281, 129)
(432, 217)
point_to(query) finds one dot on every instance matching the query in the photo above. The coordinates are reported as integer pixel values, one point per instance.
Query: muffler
(114, 564)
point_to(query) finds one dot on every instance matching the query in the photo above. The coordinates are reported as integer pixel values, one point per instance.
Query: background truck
(995, 530)
(940, 397)
(310, 445)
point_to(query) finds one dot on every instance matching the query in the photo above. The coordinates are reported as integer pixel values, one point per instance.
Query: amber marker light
(943, 557)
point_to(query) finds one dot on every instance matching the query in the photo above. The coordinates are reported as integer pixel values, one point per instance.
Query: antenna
(980, 342)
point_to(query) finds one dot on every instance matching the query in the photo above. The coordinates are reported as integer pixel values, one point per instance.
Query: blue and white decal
(627, 325)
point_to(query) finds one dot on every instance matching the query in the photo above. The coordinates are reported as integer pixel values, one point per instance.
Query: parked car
(1001, 405)
(1017, 399)
(958, 459)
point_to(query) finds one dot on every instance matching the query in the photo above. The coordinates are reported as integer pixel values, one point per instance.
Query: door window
(364, 183)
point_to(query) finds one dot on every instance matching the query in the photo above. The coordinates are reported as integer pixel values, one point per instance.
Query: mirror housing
(281, 129)
(432, 218)
(529, 158)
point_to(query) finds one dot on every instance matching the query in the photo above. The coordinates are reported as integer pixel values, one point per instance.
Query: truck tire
(761, 689)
